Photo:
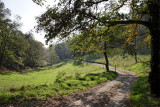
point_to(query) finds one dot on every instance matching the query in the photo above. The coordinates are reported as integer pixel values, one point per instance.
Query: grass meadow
(47, 82)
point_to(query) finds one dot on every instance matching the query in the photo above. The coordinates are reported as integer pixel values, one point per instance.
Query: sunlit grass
(60, 79)
(121, 61)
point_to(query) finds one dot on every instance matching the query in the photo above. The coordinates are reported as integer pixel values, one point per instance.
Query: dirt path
(110, 94)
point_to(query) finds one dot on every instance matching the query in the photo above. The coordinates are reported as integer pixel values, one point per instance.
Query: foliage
(93, 42)
(91, 57)
(69, 16)
(52, 56)
(137, 39)
(63, 51)
(35, 54)
(60, 77)
(12, 42)
(17, 50)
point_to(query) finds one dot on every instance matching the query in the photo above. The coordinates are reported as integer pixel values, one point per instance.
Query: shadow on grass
(5, 73)
(95, 62)
(78, 63)
(54, 66)
(101, 74)
(61, 64)
(140, 94)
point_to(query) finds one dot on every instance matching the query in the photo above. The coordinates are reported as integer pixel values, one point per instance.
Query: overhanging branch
(113, 23)
(95, 2)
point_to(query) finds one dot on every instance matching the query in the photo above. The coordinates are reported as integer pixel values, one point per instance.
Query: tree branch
(110, 47)
(96, 2)
(122, 4)
(113, 23)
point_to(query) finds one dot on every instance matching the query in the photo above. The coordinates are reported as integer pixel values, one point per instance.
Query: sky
(27, 10)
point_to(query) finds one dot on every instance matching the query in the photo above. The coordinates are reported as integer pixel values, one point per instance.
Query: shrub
(60, 77)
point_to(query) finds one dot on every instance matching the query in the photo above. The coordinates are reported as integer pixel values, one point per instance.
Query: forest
(104, 56)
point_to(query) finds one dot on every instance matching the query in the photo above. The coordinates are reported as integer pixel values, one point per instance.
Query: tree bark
(154, 76)
(2, 49)
(135, 56)
(1, 60)
(106, 57)
(135, 44)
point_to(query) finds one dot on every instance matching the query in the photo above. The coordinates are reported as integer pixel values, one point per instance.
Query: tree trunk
(135, 43)
(106, 57)
(154, 76)
(1, 59)
(135, 56)
(2, 52)
(2, 48)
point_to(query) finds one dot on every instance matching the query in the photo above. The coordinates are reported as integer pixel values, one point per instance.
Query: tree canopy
(71, 15)
(98, 40)
(17, 50)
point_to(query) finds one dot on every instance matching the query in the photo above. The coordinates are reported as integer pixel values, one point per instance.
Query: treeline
(17, 50)
(63, 51)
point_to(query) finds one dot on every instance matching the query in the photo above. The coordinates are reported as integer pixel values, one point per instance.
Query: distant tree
(52, 56)
(137, 40)
(63, 51)
(35, 54)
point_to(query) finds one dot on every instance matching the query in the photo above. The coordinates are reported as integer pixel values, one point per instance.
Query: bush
(60, 77)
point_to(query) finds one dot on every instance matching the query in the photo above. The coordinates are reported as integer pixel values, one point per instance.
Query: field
(139, 95)
(56, 80)
(123, 62)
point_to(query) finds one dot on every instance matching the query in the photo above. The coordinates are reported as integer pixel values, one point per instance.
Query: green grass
(123, 62)
(60, 79)
(38, 77)
(140, 92)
